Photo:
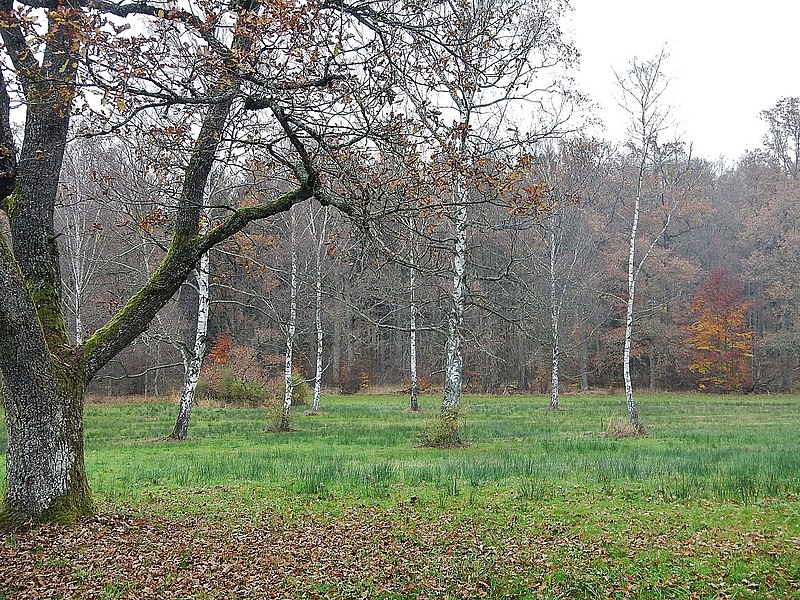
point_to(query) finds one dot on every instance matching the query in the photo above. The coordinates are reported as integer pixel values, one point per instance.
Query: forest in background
(716, 305)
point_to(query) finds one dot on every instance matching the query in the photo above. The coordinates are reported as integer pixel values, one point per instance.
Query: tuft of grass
(619, 428)
(443, 431)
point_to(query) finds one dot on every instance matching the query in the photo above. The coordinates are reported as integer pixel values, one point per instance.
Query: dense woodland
(716, 306)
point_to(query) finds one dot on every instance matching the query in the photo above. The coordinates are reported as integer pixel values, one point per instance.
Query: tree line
(714, 310)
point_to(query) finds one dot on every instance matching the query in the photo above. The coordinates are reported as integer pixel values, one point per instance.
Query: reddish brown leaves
(220, 353)
(722, 340)
(407, 551)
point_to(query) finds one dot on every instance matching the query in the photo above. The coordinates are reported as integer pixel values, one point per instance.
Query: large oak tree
(291, 89)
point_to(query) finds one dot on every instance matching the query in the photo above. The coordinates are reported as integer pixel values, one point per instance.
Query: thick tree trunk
(43, 399)
(45, 472)
(43, 379)
(193, 363)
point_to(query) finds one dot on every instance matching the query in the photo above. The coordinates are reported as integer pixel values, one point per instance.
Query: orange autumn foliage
(721, 339)
(220, 352)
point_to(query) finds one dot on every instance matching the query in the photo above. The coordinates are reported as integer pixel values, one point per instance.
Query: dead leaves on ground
(364, 553)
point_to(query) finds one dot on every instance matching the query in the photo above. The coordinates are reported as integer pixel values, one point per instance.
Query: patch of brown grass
(619, 428)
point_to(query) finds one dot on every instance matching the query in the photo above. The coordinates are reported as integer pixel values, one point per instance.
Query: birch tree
(81, 223)
(555, 239)
(193, 359)
(642, 86)
(498, 52)
(567, 177)
(318, 284)
(291, 326)
(412, 321)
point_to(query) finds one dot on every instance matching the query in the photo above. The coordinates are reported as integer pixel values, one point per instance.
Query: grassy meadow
(540, 503)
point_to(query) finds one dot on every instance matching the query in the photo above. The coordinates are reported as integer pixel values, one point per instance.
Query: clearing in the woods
(540, 504)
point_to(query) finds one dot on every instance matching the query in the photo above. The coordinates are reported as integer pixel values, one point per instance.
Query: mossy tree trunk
(44, 376)
(43, 398)
(46, 475)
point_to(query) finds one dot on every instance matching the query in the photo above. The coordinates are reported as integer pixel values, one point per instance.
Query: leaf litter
(408, 551)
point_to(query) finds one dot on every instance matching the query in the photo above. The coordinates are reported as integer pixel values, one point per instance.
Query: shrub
(223, 385)
(443, 431)
(623, 428)
(300, 392)
(349, 381)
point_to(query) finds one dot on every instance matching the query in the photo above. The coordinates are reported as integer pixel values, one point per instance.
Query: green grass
(735, 448)
(706, 505)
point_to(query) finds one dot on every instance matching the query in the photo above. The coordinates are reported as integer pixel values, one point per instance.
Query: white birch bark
(454, 366)
(193, 362)
(642, 88)
(318, 312)
(412, 341)
(555, 310)
(632, 272)
(76, 224)
(290, 328)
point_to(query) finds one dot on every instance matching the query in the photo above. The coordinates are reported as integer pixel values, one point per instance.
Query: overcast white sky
(729, 59)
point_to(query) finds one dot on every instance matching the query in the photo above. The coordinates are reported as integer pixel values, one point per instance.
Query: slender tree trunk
(348, 376)
(290, 328)
(336, 351)
(631, 404)
(157, 372)
(653, 366)
(78, 316)
(583, 359)
(554, 318)
(454, 367)
(193, 363)
(78, 267)
(412, 341)
(318, 314)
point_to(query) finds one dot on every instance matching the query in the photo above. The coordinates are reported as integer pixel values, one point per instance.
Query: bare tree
(462, 92)
(783, 139)
(642, 86)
